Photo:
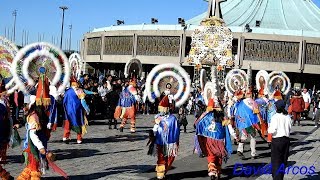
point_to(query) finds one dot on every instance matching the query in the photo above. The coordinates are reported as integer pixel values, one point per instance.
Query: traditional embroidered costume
(246, 115)
(75, 107)
(166, 134)
(126, 108)
(37, 134)
(213, 138)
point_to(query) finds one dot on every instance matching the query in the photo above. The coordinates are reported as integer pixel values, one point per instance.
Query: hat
(164, 104)
(42, 94)
(280, 104)
(277, 95)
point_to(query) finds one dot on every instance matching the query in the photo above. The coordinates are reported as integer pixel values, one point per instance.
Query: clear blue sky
(44, 16)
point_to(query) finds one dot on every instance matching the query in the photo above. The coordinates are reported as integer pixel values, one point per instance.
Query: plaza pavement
(109, 154)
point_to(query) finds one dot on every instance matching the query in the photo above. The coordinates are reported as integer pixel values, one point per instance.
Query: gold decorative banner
(211, 44)
(271, 51)
(313, 54)
(158, 45)
(94, 46)
(118, 45)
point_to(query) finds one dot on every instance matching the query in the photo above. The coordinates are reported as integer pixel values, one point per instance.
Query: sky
(42, 18)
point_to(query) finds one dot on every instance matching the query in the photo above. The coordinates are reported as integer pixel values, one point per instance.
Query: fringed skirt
(209, 147)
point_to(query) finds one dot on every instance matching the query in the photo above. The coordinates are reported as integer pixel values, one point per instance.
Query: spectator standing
(297, 104)
(307, 100)
(103, 90)
(182, 118)
(280, 127)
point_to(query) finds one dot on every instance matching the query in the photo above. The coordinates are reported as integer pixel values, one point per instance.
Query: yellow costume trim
(81, 96)
(256, 111)
(160, 169)
(43, 101)
(163, 109)
(84, 127)
(123, 112)
(32, 120)
(226, 122)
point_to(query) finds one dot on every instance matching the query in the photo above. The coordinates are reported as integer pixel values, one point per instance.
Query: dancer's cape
(263, 108)
(167, 134)
(73, 110)
(246, 116)
(217, 134)
(127, 99)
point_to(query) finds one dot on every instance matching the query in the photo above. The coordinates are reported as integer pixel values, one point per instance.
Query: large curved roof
(282, 17)
(273, 14)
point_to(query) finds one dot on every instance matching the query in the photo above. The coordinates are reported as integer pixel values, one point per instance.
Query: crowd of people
(243, 114)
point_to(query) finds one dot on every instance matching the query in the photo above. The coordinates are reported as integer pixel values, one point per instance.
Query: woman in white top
(280, 127)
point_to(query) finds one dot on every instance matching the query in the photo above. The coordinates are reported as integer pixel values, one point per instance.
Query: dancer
(165, 138)
(213, 138)
(74, 105)
(37, 135)
(247, 122)
(126, 107)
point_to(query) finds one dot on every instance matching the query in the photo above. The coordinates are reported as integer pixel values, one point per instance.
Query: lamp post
(63, 9)
(70, 27)
(14, 14)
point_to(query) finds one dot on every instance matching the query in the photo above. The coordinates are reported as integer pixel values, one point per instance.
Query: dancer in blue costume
(126, 107)
(213, 138)
(164, 138)
(246, 115)
(74, 105)
(272, 109)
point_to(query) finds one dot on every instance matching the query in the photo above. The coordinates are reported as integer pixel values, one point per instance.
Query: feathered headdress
(162, 74)
(278, 81)
(262, 79)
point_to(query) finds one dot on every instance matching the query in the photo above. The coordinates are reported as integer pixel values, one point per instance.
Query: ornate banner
(211, 44)
(271, 51)
(118, 45)
(94, 46)
(158, 45)
(313, 54)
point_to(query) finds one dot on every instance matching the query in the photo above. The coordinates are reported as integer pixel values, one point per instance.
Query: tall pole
(63, 9)
(70, 27)
(14, 13)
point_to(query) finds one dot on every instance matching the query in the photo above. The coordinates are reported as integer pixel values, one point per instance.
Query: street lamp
(70, 27)
(14, 13)
(63, 9)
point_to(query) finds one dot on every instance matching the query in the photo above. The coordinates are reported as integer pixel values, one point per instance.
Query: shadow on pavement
(107, 172)
(80, 153)
(111, 139)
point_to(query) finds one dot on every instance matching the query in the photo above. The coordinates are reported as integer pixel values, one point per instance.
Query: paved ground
(109, 154)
